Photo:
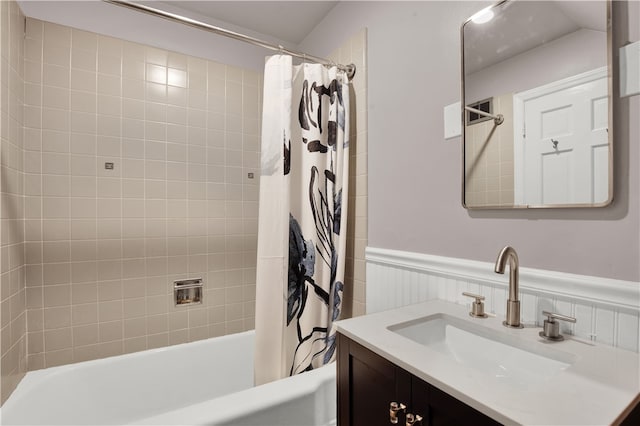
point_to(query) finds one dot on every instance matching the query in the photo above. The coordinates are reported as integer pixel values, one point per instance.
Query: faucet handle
(552, 315)
(477, 307)
(551, 327)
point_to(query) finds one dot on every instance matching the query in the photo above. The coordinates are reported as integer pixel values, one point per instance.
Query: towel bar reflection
(188, 292)
(498, 119)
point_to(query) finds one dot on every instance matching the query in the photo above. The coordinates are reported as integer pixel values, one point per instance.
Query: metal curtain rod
(350, 69)
(498, 119)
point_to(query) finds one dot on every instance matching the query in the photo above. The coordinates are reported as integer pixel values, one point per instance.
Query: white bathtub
(209, 382)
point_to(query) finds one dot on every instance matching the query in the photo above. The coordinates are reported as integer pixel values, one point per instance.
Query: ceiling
(288, 21)
(523, 25)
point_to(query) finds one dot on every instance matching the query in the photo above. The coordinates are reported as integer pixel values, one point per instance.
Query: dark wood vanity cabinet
(368, 383)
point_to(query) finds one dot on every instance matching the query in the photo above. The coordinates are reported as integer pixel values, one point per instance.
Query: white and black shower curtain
(302, 219)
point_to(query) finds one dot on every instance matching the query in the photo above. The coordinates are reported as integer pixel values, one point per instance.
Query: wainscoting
(607, 310)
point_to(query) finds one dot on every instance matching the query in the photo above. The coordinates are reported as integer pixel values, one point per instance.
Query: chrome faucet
(513, 302)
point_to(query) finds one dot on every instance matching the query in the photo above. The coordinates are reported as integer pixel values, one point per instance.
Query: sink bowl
(495, 353)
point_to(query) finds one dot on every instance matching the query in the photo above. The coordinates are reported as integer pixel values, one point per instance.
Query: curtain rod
(350, 69)
(498, 119)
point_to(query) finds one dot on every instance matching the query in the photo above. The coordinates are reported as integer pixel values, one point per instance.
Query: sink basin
(492, 352)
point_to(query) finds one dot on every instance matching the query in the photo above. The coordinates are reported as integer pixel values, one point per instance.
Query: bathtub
(209, 382)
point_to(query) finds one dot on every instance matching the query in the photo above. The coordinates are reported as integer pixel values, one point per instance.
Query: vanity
(434, 364)
(537, 130)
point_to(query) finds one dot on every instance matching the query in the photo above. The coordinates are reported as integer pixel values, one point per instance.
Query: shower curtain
(302, 218)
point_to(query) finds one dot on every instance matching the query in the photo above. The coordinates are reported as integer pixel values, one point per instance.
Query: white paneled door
(565, 154)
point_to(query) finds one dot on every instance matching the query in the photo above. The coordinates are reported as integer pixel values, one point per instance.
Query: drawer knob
(414, 419)
(394, 409)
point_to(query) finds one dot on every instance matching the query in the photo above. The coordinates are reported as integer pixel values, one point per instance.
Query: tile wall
(489, 158)
(12, 270)
(137, 168)
(354, 51)
(90, 252)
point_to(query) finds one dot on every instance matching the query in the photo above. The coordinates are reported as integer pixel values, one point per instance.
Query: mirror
(536, 93)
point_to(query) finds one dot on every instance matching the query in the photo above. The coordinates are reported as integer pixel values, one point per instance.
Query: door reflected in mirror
(537, 105)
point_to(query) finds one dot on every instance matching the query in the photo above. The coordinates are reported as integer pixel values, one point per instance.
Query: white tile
(109, 208)
(83, 208)
(132, 50)
(56, 55)
(58, 186)
(156, 169)
(197, 80)
(84, 59)
(133, 188)
(109, 64)
(133, 129)
(155, 112)
(108, 125)
(55, 141)
(133, 89)
(176, 77)
(55, 208)
(133, 168)
(155, 131)
(197, 99)
(133, 208)
(54, 75)
(133, 109)
(55, 97)
(83, 101)
(156, 92)
(55, 119)
(82, 143)
(177, 96)
(83, 122)
(156, 74)
(109, 105)
(80, 80)
(156, 56)
(155, 150)
(177, 61)
(109, 46)
(197, 118)
(133, 68)
(109, 187)
(176, 152)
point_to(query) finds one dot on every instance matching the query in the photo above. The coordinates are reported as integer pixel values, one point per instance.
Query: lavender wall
(573, 54)
(415, 176)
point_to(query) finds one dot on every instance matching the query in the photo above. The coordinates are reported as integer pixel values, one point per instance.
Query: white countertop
(601, 383)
